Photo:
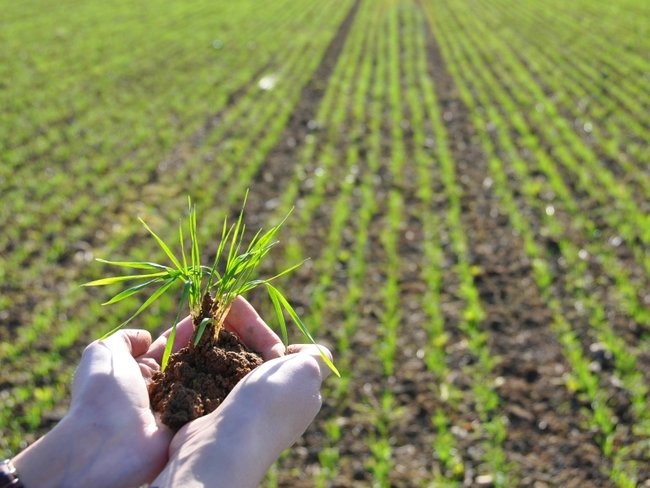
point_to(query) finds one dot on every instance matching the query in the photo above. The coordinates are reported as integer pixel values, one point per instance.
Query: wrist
(73, 454)
(48, 461)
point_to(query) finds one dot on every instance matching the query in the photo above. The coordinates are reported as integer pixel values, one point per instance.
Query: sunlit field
(470, 187)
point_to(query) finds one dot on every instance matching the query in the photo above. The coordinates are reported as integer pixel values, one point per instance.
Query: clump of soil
(198, 378)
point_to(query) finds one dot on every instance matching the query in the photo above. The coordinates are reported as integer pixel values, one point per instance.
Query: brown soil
(198, 378)
(545, 443)
(549, 441)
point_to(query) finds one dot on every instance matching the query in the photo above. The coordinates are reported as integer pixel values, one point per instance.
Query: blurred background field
(469, 181)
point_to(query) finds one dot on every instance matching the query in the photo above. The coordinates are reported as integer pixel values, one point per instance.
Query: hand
(263, 415)
(110, 437)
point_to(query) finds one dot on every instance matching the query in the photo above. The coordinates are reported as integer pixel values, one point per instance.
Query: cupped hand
(111, 438)
(264, 414)
(110, 385)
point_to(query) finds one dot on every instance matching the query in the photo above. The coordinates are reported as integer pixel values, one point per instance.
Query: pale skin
(111, 438)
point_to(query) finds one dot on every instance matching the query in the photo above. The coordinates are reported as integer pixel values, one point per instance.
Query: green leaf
(133, 264)
(201, 329)
(163, 246)
(195, 254)
(154, 296)
(169, 345)
(273, 294)
(222, 244)
(182, 243)
(131, 291)
(286, 271)
(119, 279)
(294, 316)
(238, 233)
(168, 348)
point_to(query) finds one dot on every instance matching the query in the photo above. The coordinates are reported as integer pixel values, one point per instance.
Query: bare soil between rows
(544, 433)
(547, 442)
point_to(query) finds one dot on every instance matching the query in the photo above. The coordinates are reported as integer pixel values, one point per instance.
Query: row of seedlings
(72, 327)
(592, 177)
(598, 116)
(327, 168)
(493, 427)
(625, 280)
(583, 378)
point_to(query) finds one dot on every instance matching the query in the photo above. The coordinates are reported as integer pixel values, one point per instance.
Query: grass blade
(238, 233)
(119, 279)
(195, 256)
(217, 257)
(182, 243)
(294, 316)
(133, 264)
(273, 294)
(162, 245)
(131, 291)
(286, 271)
(154, 296)
(169, 345)
(201, 329)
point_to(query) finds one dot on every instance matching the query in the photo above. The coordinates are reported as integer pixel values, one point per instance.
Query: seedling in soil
(195, 380)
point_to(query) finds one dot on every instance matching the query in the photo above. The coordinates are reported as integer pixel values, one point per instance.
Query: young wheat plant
(232, 273)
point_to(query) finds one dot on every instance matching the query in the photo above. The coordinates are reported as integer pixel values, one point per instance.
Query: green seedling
(232, 273)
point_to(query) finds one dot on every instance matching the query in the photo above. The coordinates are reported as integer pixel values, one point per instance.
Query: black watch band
(9, 476)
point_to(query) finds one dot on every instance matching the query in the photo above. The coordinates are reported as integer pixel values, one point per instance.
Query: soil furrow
(597, 280)
(156, 188)
(360, 409)
(279, 166)
(545, 443)
(580, 234)
(258, 207)
(588, 200)
(411, 384)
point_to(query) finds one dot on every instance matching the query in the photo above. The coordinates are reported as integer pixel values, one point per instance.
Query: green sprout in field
(232, 273)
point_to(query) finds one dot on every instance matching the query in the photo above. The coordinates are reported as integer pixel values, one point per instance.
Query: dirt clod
(198, 379)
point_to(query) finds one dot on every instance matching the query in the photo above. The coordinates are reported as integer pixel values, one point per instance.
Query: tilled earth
(548, 440)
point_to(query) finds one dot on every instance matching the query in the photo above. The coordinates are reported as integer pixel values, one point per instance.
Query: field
(469, 181)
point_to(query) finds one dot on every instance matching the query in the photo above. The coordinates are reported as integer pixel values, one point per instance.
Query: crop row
(33, 251)
(563, 188)
(619, 210)
(492, 426)
(615, 126)
(624, 21)
(437, 173)
(188, 170)
(395, 58)
(355, 129)
(60, 319)
(73, 65)
(480, 90)
(333, 170)
(85, 165)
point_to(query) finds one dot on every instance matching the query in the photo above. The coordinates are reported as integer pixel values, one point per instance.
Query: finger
(136, 341)
(244, 320)
(184, 331)
(316, 351)
(106, 358)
